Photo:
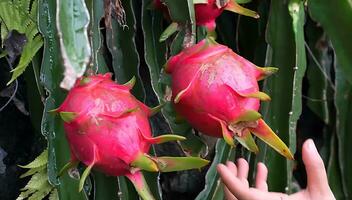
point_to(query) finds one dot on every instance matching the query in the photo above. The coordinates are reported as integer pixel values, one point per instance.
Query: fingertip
(316, 174)
(220, 166)
(309, 145)
(242, 169)
(262, 168)
(241, 160)
(262, 173)
(233, 168)
(242, 163)
(310, 154)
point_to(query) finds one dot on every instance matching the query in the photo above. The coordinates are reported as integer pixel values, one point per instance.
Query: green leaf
(121, 44)
(243, 1)
(29, 51)
(279, 35)
(126, 189)
(72, 23)
(183, 13)
(43, 192)
(37, 181)
(318, 71)
(33, 171)
(171, 29)
(51, 76)
(38, 186)
(154, 54)
(96, 11)
(106, 187)
(343, 104)
(3, 54)
(170, 164)
(335, 17)
(296, 10)
(54, 195)
(39, 161)
(333, 170)
(223, 152)
(36, 96)
(154, 184)
(152, 21)
(20, 15)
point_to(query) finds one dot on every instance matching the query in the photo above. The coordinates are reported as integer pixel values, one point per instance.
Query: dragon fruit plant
(107, 129)
(217, 92)
(206, 12)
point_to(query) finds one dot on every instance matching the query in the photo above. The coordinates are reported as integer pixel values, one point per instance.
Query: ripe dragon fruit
(206, 11)
(107, 128)
(217, 92)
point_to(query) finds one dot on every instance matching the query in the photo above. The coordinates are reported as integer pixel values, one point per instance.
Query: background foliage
(309, 41)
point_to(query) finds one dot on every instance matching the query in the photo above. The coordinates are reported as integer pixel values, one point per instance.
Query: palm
(237, 186)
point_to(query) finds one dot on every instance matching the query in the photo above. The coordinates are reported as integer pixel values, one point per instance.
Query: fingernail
(220, 165)
(311, 146)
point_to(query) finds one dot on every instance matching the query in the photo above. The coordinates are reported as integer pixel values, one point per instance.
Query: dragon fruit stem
(140, 185)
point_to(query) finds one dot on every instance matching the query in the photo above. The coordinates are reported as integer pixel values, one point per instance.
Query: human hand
(237, 188)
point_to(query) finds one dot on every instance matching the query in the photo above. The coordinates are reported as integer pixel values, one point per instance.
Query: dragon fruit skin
(217, 92)
(206, 14)
(99, 133)
(107, 128)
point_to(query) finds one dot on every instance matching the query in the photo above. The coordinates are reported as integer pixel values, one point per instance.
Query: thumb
(316, 176)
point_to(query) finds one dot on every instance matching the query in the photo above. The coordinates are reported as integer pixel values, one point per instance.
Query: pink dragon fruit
(206, 11)
(217, 92)
(107, 128)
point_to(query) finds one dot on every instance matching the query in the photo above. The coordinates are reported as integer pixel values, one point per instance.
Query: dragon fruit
(107, 128)
(206, 11)
(217, 92)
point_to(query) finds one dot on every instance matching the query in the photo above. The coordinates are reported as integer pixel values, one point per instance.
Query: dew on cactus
(217, 92)
(107, 129)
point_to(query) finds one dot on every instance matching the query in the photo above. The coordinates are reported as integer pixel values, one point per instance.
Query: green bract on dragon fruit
(107, 129)
(217, 92)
